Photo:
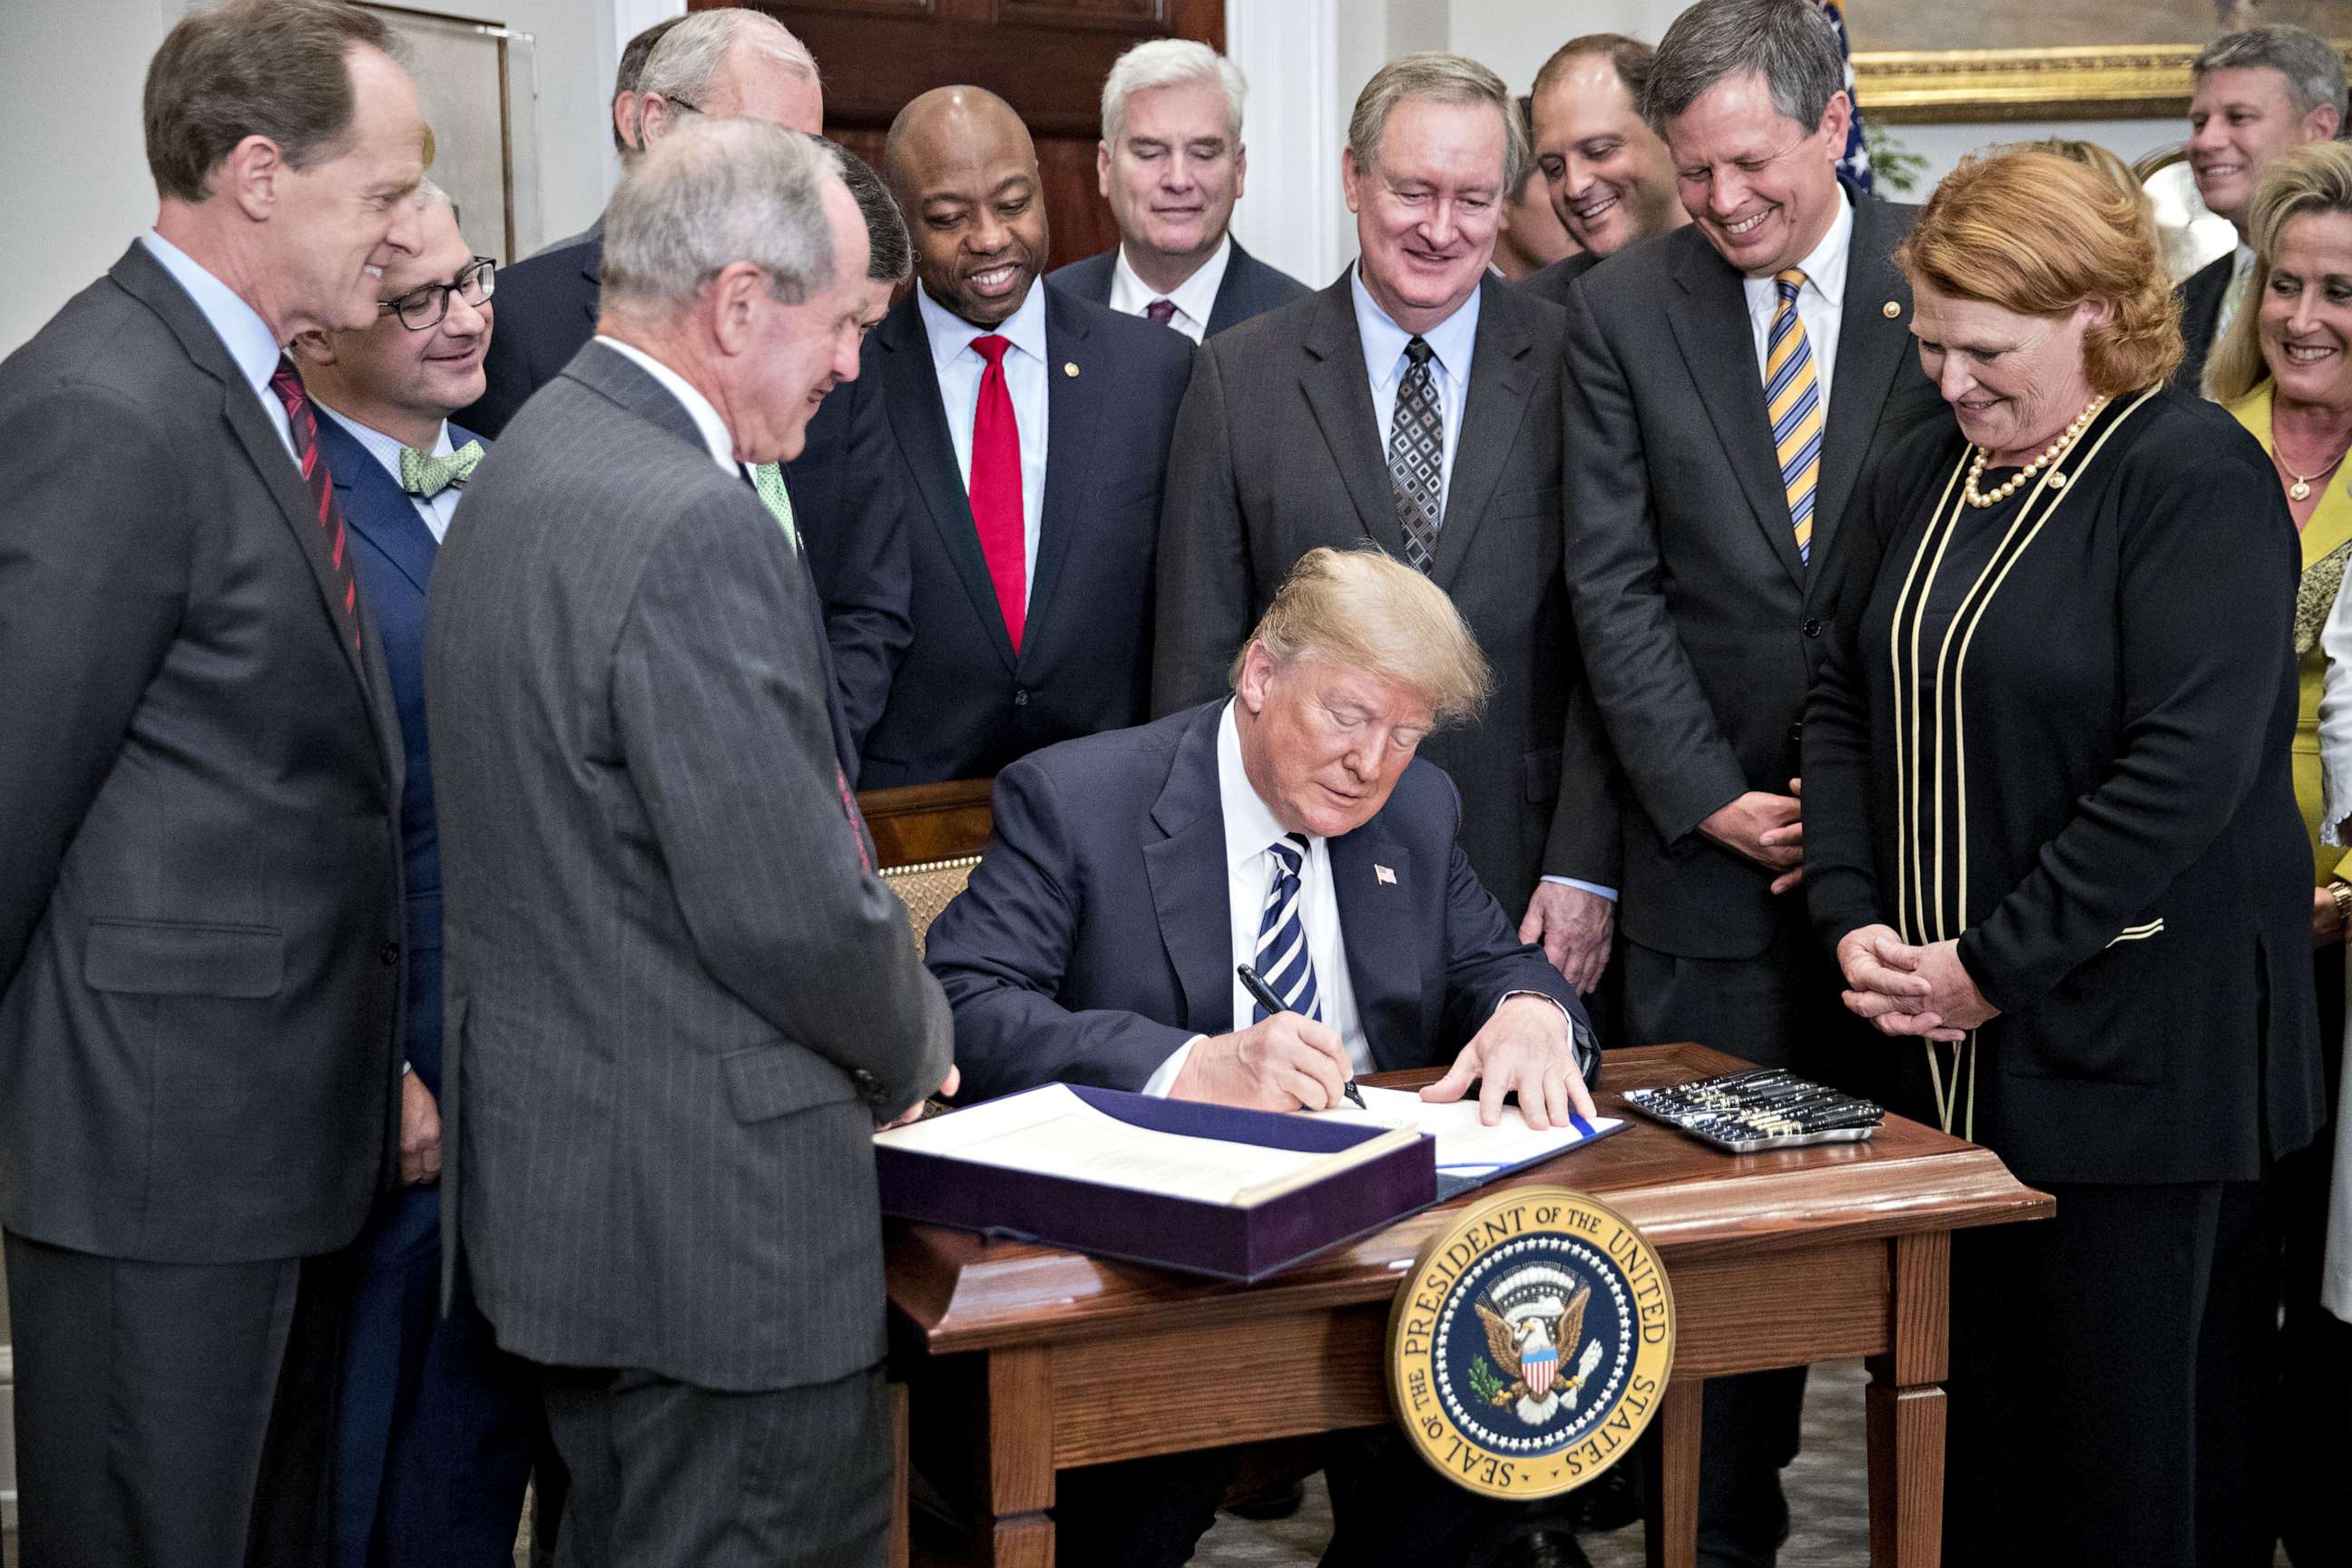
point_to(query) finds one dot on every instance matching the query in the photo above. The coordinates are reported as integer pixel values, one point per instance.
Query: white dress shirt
(715, 435)
(1195, 298)
(1819, 303)
(1250, 865)
(438, 512)
(242, 331)
(960, 368)
(1452, 341)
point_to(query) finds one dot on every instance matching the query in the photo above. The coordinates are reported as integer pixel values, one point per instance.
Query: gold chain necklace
(2050, 454)
(2301, 489)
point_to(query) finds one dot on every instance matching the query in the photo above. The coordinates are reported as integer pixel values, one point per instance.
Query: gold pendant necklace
(2050, 454)
(2301, 489)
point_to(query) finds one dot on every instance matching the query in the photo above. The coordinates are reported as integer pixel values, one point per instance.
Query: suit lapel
(1872, 347)
(591, 268)
(377, 510)
(910, 393)
(1376, 926)
(1186, 869)
(1500, 376)
(142, 276)
(1340, 398)
(1074, 412)
(1712, 332)
(1227, 307)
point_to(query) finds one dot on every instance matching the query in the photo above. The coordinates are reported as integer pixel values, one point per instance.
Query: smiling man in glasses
(435, 1428)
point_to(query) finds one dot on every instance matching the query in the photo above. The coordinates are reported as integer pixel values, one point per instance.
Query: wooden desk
(1024, 1360)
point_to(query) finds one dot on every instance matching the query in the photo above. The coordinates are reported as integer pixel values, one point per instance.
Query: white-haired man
(662, 1172)
(1171, 164)
(726, 63)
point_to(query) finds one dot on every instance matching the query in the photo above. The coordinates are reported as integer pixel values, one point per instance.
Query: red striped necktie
(303, 425)
(996, 512)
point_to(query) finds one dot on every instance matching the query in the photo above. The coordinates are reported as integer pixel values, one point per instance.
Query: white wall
(74, 185)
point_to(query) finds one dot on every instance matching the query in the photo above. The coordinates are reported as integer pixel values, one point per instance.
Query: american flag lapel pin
(1382, 874)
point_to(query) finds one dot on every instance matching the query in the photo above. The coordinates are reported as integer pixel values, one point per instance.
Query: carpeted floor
(1828, 1495)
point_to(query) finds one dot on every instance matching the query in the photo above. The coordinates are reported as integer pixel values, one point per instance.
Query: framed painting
(2049, 59)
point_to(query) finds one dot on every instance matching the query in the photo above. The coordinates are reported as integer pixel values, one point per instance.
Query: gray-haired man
(1171, 164)
(725, 63)
(2254, 95)
(1701, 583)
(678, 999)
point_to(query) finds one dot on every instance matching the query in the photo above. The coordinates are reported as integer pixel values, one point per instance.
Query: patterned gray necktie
(1417, 456)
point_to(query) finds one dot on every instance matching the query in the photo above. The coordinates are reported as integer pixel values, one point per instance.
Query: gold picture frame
(1917, 87)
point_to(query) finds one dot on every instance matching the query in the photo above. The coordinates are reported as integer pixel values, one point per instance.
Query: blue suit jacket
(928, 672)
(1095, 938)
(547, 312)
(392, 554)
(1249, 287)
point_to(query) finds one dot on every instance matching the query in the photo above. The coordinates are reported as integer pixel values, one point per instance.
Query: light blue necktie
(1282, 956)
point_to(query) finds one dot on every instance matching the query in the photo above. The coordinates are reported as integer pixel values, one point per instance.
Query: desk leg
(1905, 1404)
(1017, 1479)
(1671, 1522)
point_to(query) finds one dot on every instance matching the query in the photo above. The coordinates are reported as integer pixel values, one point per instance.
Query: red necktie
(303, 425)
(996, 486)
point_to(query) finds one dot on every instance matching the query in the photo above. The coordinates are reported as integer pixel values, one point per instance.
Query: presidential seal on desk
(1531, 1343)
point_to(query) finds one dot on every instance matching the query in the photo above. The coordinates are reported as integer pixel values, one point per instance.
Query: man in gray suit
(1171, 164)
(1729, 382)
(678, 1000)
(200, 874)
(1416, 403)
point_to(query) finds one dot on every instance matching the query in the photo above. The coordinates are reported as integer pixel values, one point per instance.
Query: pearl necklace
(2050, 454)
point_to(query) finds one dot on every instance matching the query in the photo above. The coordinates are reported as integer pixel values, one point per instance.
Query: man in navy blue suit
(987, 491)
(1171, 164)
(731, 61)
(436, 1428)
(1289, 827)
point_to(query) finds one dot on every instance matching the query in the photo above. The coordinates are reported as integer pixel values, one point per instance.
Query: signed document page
(1465, 1148)
(1051, 1132)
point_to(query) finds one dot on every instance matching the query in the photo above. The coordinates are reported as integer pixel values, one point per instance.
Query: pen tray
(1762, 1140)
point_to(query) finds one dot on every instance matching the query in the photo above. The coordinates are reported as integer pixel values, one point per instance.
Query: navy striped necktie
(1282, 956)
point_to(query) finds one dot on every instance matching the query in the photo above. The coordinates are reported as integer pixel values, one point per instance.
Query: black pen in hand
(1257, 987)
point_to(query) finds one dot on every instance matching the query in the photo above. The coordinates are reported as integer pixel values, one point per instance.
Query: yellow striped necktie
(1792, 400)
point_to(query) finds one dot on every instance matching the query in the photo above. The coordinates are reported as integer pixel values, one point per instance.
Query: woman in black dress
(2051, 831)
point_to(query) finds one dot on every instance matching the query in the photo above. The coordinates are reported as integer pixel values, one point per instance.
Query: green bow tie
(768, 479)
(428, 476)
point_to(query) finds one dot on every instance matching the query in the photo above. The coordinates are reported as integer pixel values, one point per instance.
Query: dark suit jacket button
(1021, 697)
(868, 1086)
(390, 954)
(1796, 734)
(1813, 627)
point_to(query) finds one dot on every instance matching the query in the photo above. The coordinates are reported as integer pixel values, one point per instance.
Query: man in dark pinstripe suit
(678, 999)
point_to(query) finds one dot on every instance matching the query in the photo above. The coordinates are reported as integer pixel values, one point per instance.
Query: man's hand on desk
(1283, 1063)
(948, 1086)
(1574, 927)
(1525, 1048)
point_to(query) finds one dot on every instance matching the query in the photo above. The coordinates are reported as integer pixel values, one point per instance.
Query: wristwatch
(2341, 891)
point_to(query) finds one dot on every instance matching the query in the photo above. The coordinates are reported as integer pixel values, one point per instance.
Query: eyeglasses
(677, 103)
(422, 309)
